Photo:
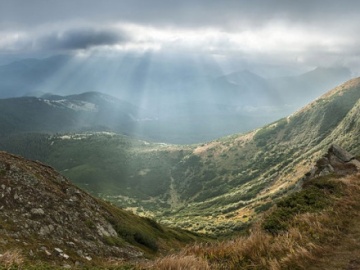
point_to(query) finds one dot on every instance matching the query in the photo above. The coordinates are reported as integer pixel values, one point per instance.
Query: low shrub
(313, 198)
(146, 241)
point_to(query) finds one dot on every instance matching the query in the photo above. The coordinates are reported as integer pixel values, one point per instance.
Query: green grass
(313, 198)
(144, 232)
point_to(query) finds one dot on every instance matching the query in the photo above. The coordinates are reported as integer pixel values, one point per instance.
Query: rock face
(336, 160)
(340, 153)
(43, 213)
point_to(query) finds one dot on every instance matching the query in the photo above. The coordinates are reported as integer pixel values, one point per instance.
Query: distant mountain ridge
(310, 85)
(52, 113)
(192, 99)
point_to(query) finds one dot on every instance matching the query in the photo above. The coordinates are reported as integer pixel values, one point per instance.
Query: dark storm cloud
(308, 32)
(80, 38)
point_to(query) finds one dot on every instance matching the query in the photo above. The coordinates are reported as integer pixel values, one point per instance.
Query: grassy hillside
(217, 187)
(122, 169)
(313, 228)
(46, 220)
(319, 230)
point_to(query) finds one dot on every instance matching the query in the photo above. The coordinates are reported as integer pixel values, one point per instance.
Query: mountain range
(289, 186)
(215, 187)
(188, 101)
(48, 223)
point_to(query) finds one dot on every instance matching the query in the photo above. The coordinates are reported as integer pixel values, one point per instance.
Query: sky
(303, 33)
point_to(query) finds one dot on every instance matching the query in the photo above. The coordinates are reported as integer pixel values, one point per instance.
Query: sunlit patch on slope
(74, 105)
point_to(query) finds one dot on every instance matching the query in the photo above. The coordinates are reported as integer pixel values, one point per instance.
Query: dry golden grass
(181, 262)
(309, 237)
(12, 258)
(258, 251)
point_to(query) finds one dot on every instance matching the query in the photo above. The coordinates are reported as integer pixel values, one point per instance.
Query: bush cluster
(312, 198)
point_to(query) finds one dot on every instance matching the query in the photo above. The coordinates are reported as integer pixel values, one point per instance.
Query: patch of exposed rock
(336, 160)
(43, 213)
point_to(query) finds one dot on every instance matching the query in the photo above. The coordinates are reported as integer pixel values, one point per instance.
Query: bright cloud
(309, 32)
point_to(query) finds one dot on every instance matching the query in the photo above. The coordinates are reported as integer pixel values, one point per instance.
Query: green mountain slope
(215, 187)
(249, 171)
(47, 218)
(316, 227)
(51, 114)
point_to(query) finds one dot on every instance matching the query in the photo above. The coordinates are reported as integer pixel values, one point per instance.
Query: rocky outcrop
(43, 213)
(336, 160)
(340, 153)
